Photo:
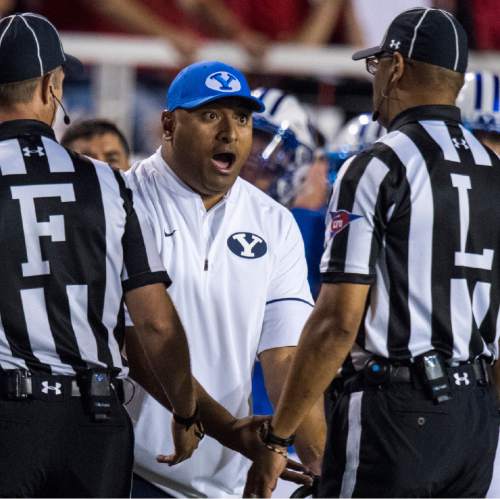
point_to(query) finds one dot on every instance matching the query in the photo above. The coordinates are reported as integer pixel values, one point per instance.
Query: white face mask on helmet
(286, 142)
(357, 134)
(479, 101)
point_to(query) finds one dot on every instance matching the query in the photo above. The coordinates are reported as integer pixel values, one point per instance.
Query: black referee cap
(428, 35)
(30, 47)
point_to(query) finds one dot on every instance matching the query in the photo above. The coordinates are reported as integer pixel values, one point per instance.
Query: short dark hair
(87, 129)
(430, 76)
(22, 92)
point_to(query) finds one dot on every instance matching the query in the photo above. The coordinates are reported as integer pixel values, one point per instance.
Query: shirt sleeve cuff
(337, 277)
(283, 323)
(140, 280)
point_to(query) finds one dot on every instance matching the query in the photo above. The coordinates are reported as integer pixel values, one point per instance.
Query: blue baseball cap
(208, 81)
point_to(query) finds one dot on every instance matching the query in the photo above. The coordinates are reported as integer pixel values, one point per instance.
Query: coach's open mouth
(223, 161)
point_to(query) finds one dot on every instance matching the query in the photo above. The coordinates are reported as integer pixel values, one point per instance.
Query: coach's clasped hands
(186, 441)
(243, 436)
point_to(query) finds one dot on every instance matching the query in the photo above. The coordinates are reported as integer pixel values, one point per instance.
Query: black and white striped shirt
(71, 244)
(417, 216)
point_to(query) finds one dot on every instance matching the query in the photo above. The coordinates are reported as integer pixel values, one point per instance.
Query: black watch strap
(190, 421)
(269, 437)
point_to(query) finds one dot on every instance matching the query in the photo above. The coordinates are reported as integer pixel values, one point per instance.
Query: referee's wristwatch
(271, 440)
(190, 421)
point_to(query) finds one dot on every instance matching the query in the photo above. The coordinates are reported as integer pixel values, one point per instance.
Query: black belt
(19, 384)
(463, 375)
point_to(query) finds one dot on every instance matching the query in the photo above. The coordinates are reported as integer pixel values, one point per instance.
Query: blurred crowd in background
(253, 25)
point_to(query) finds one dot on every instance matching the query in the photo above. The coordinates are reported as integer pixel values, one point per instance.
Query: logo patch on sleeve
(340, 220)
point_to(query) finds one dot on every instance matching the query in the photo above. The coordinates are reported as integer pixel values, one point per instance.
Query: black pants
(395, 442)
(53, 449)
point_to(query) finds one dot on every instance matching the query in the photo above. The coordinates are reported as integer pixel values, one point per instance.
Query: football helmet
(479, 101)
(283, 148)
(357, 134)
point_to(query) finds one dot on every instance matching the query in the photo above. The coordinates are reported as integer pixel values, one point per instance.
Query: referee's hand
(243, 437)
(185, 441)
(264, 473)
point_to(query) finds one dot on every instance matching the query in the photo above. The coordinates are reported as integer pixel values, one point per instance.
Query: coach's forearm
(216, 419)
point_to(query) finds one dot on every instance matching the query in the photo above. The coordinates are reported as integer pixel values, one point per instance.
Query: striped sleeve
(142, 264)
(356, 219)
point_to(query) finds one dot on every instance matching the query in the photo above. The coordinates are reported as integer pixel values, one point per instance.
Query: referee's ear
(168, 124)
(398, 67)
(47, 84)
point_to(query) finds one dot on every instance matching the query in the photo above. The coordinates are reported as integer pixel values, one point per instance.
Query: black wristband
(268, 437)
(190, 421)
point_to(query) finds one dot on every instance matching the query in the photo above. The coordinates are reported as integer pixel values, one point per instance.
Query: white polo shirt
(240, 286)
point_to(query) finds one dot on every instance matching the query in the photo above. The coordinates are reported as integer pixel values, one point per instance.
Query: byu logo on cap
(247, 245)
(222, 81)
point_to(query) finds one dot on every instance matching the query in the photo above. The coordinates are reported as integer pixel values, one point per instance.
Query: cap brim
(72, 66)
(363, 54)
(251, 102)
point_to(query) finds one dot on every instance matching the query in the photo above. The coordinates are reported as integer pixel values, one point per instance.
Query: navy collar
(420, 113)
(16, 128)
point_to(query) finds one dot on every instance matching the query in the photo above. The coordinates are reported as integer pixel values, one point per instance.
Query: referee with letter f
(72, 245)
(409, 307)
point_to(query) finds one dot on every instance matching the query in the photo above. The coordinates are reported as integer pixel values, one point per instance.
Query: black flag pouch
(96, 392)
(432, 372)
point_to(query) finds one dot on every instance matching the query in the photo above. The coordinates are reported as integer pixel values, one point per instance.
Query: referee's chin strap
(67, 119)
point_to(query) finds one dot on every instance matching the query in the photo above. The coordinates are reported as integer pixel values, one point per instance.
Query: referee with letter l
(409, 306)
(72, 245)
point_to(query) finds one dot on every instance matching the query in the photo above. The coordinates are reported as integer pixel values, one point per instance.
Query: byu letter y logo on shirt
(247, 245)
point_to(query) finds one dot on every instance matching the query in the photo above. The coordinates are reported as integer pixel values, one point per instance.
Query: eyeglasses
(373, 62)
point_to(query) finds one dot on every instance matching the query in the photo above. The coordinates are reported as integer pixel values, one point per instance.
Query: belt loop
(117, 386)
(18, 384)
(481, 371)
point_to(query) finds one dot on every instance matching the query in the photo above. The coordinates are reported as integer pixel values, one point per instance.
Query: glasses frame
(372, 62)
